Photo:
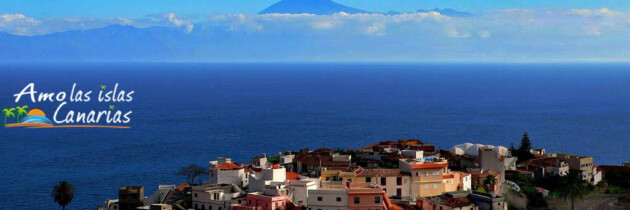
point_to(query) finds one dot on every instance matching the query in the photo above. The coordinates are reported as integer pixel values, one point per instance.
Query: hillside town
(402, 174)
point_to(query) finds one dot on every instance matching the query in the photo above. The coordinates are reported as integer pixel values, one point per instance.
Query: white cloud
(323, 25)
(604, 12)
(179, 22)
(17, 24)
(454, 33)
(377, 29)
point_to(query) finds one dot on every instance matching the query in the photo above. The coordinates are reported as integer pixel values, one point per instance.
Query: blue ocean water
(186, 113)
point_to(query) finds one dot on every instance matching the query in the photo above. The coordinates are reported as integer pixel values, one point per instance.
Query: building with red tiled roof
(228, 166)
(544, 167)
(480, 175)
(311, 163)
(226, 172)
(293, 176)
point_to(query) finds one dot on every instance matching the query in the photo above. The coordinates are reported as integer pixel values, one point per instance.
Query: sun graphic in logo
(36, 116)
(33, 118)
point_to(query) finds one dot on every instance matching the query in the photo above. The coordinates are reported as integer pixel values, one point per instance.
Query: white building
(597, 176)
(297, 191)
(216, 197)
(328, 199)
(267, 176)
(225, 172)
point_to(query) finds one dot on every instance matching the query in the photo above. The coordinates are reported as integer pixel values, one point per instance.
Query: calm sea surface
(193, 113)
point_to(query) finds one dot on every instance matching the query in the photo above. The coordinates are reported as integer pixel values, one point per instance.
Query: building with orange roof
(223, 171)
(427, 176)
(293, 176)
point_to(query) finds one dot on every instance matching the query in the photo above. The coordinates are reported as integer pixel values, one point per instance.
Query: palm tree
(8, 113)
(490, 181)
(63, 193)
(574, 187)
(21, 111)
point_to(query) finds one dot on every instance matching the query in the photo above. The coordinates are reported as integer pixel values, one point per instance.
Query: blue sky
(140, 8)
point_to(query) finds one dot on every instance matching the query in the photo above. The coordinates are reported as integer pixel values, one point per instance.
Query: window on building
(435, 186)
(368, 179)
(426, 186)
(203, 206)
(399, 192)
(195, 195)
(319, 198)
(417, 174)
(276, 204)
(435, 173)
(196, 207)
(398, 180)
(426, 173)
(383, 181)
(338, 199)
(377, 199)
(357, 200)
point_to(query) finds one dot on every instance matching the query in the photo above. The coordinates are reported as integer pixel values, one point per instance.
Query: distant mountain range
(318, 7)
(206, 42)
(327, 7)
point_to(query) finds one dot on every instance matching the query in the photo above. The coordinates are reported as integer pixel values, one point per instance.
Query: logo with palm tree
(36, 118)
(18, 113)
(8, 112)
(24, 118)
